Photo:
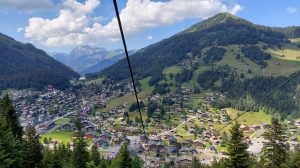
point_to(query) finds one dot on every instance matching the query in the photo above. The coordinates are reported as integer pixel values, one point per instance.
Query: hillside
(222, 53)
(219, 31)
(24, 66)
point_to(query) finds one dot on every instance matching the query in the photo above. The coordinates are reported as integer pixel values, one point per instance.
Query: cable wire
(259, 101)
(131, 74)
(187, 21)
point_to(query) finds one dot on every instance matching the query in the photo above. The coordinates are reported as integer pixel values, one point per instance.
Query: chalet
(178, 135)
(122, 130)
(294, 138)
(116, 141)
(143, 138)
(32, 121)
(90, 128)
(47, 125)
(129, 131)
(172, 141)
(105, 135)
(99, 142)
(153, 133)
(97, 115)
(90, 135)
(153, 146)
(42, 117)
(198, 144)
(244, 128)
(255, 127)
(183, 160)
(173, 151)
(139, 148)
(293, 131)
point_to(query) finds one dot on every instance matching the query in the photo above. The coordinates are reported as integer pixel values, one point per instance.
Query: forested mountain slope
(219, 31)
(24, 66)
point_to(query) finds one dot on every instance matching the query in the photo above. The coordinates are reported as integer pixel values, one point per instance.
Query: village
(188, 128)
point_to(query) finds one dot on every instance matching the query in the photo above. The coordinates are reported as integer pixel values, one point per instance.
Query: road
(193, 117)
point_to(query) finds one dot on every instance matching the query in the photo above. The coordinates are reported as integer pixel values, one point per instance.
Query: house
(139, 148)
(183, 160)
(116, 141)
(152, 133)
(173, 151)
(129, 131)
(172, 141)
(67, 126)
(32, 121)
(198, 144)
(143, 138)
(105, 135)
(42, 117)
(153, 146)
(90, 135)
(99, 142)
(244, 128)
(255, 127)
(90, 128)
(47, 125)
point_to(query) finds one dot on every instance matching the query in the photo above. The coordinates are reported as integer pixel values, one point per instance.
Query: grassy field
(288, 63)
(61, 136)
(132, 115)
(99, 80)
(62, 121)
(10, 90)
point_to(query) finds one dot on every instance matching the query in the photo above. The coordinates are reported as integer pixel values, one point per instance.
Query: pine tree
(7, 109)
(95, 155)
(274, 152)
(32, 154)
(137, 162)
(56, 161)
(195, 163)
(10, 156)
(124, 157)
(80, 154)
(47, 157)
(237, 149)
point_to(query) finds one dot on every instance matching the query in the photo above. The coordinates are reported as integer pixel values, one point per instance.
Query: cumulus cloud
(27, 5)
(291, 9)
(19, 30)
(149, 37)
(72, 25)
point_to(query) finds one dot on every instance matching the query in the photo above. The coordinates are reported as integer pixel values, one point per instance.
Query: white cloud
(27, 5)
(291, 9)
(19, 30)
(149, 37)
(71, 27)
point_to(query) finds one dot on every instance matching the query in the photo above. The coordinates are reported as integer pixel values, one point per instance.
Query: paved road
(193, 117)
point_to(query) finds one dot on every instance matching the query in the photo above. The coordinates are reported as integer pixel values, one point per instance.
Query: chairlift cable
(131, 74)
(259, 101)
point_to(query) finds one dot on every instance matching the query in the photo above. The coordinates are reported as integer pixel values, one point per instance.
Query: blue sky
(61, 25)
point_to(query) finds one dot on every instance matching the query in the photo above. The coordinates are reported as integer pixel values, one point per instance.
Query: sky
(61, 25)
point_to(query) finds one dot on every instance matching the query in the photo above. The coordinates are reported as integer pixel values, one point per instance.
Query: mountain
(61, 57)
(223, 54)
(216, 32)
(84, 58)
(24, 66)
(110, 59)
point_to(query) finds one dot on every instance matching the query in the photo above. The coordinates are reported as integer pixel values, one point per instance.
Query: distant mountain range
(86, 59)
(24, 66)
